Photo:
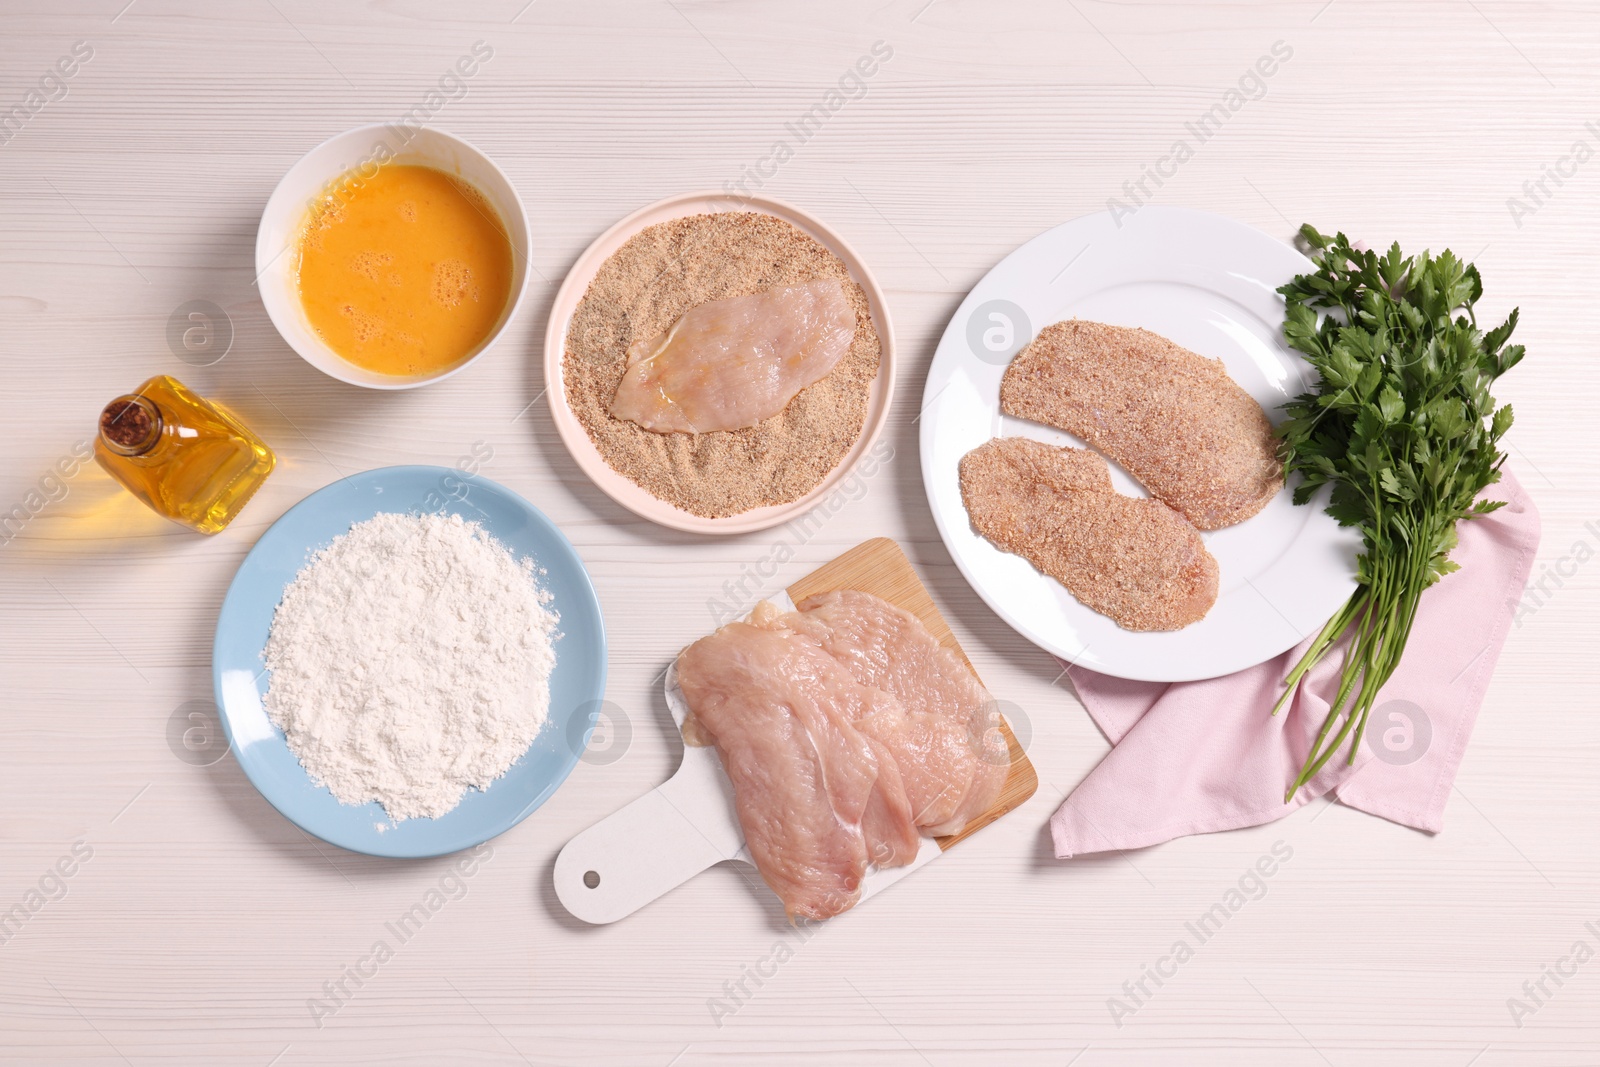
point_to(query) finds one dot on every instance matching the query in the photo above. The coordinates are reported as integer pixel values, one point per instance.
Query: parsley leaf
(1403, 427)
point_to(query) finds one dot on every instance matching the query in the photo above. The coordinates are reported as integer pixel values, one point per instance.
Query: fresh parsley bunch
(1403, 427)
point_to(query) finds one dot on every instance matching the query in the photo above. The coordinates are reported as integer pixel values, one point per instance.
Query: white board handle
(653, 845)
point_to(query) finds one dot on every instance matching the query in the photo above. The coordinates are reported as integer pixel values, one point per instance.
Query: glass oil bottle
(188, 459)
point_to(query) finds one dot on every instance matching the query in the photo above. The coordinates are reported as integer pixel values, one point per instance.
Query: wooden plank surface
(204, 929)
(880, 567)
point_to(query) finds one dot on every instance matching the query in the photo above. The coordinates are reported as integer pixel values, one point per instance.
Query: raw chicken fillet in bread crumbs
(1173, 419)
(1134, 560)
(848, 733)
(728, 364)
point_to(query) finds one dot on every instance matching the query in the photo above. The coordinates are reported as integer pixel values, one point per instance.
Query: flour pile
(411, 660)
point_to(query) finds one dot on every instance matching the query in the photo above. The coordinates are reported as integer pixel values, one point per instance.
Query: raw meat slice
(779, 711)
(844, 727)
(1136, 561)
(888, 823)
(890, 831)
(728, 364)
(1172, 418)
(944, 732)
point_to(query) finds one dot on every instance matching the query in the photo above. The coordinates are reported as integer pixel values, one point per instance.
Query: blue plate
(576, 685)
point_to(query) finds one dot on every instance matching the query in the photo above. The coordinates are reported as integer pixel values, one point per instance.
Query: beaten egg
(406, 272)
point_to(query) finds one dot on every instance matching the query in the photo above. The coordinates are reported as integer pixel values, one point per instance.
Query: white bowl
(361, 150)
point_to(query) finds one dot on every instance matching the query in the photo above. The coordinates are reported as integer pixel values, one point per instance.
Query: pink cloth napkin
(1198, 757)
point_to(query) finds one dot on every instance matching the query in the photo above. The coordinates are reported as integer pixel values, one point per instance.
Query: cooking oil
(187, 458)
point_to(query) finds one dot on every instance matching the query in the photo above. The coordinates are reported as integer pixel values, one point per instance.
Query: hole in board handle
(591, 878)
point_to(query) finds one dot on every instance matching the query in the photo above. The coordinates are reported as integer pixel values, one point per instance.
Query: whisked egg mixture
(406, 272)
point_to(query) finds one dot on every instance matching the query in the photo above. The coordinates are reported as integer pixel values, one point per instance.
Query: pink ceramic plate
(624, 491)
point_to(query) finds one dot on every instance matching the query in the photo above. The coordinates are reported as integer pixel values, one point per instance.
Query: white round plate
(1209, 284)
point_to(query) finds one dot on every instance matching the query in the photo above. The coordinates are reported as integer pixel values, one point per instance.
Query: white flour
(410, 660)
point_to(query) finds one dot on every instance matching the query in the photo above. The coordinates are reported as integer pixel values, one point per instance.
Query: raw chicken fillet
(728, 364)
(944, 733)
(848, 732)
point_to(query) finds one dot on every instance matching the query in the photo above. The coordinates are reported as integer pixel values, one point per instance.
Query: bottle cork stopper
(129, 424)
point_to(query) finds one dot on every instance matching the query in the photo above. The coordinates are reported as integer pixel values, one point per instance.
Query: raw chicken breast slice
(943, 729)
(728, 364)
(809, 788)
(888, 824)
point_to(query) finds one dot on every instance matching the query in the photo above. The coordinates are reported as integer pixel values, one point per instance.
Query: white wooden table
(197, 924)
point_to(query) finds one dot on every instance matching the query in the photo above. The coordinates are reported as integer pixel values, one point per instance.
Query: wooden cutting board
(688, 824)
